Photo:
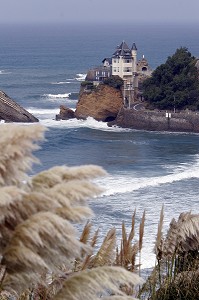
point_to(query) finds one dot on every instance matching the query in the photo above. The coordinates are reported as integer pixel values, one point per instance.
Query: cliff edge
(102, 103)
(10, 111)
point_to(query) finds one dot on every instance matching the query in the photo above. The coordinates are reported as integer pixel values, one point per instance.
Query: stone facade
(124, 64)
(157, 121)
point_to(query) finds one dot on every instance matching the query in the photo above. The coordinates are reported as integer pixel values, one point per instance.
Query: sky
(98, 11)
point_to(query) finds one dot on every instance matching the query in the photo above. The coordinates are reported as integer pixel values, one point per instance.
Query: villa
(124, 64)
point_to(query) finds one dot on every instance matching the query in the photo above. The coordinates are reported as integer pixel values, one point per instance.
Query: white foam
(61, 82)
(120, 184)
(75, 123)
(56, 96)
(3, 72)
(80, 77)
(126, 184)
(38, 111)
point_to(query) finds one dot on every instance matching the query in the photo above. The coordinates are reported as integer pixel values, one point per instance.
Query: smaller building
(143, 68)
(98, 74)
(107, 62)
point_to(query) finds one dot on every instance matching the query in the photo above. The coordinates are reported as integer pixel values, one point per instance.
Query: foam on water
(43, 112)
(75, 123)
(115, 198)
(118, 184)
(80, 77)
(55, 96)
(61, 82)
(3, 72)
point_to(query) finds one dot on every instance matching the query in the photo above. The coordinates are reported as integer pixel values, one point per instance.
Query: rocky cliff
(157, 121)
(10, 111)
(102, 103)
(65, 113)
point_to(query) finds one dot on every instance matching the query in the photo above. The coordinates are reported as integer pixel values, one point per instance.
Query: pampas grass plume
(16, 145)
(90, 284)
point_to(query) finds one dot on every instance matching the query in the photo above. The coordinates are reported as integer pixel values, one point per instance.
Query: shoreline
(187, 122)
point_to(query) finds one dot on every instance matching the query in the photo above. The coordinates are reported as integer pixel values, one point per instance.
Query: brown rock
(65, 113)
(10, 111)
(102, 103)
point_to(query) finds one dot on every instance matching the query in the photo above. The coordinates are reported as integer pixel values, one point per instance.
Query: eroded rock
(10, 111)
(102, 103)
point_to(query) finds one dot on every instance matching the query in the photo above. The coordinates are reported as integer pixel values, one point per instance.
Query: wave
(117, 187)
(38, 111)
(61, 82)
(124, 184)
(88, 123)
(80, 77)
(57, 96)
(3, 72)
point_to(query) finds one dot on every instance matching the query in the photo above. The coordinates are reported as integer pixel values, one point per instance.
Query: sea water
(41, 67)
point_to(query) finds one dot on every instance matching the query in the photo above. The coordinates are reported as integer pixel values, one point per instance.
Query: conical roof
(134, 47)
(122, 50)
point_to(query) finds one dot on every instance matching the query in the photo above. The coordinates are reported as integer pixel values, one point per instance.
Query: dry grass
(98, 282)
(42, 256)
(159, 238)
(126, 256)
(176, 274)
(183, 235)
(38, 241)
(16, 146)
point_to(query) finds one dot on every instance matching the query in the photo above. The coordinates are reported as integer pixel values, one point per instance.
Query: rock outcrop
(186, 121)
(65, 113)
(10, 111)
(102, 103)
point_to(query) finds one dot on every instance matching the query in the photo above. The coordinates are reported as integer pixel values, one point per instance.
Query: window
(128, 61)
(127, 69)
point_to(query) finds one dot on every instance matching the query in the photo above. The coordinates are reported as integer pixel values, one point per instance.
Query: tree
(175, 83)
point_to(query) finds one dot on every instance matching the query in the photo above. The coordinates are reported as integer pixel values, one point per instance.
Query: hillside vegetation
(174, 84)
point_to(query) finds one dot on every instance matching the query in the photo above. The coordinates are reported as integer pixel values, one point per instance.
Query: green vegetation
(87, 84)
(114, 81)
(174, 84)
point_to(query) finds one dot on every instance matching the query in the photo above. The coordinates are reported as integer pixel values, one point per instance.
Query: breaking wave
(124, 184)
(61, 82)
(80, 77)
(3, 72)
(57, 96)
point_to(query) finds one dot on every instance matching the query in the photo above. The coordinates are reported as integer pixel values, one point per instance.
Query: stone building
(124, 64)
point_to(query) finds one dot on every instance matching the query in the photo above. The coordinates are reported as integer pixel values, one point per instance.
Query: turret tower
(134, 57)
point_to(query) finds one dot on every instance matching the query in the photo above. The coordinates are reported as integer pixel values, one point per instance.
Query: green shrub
(114, 81)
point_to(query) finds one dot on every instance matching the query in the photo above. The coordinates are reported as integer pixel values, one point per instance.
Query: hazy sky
(47, 11)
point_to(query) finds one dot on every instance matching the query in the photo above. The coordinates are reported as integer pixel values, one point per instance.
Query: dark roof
(108, 59)
(134, 47)
(122, 50)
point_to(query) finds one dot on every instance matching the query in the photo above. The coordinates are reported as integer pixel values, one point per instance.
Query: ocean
(41, 67)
